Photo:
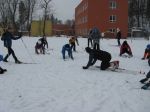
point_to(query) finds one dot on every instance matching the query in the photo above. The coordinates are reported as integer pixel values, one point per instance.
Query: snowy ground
(55, 85)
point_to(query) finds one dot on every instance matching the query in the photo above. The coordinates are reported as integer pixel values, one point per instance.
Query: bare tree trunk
(45, 6)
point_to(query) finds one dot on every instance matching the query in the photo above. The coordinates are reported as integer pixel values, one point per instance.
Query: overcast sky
(65, 9)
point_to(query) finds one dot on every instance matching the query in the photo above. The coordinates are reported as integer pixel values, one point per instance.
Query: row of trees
(139, 13)
(19, 13)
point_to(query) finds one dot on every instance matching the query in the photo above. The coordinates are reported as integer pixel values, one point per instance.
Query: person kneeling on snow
(67, 48)
(125, 48)
(147, 52)
(40, 45)
(1, 69)
(103, 56)
(145, 80)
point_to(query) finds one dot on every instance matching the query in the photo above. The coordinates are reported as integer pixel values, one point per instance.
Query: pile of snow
(55, 85)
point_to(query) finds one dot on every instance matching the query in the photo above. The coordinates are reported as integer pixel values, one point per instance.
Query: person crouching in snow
(125, 48)
(72, 41)
(103, 56)
(40, 45)
(67, 48)
(143, 81)
(1, 69)
(147, 52)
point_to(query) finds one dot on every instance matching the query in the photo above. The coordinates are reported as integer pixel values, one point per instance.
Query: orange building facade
(107, 15)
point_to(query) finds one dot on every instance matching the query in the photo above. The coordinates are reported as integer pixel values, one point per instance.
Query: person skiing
(7, 37)
(90, 39)
(67, 48)
(118, 36)
(103, 56)
(72, 41)
(95, 34)
(125, 48)
(40, 45)
(1, 69)
(147, 52)
(145, 80)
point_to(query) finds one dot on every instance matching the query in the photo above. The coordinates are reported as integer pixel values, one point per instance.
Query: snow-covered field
(55, 85)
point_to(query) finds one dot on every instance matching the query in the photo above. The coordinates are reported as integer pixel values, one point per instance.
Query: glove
(85, 67)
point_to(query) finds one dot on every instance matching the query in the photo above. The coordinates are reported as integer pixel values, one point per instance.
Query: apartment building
(107, 15)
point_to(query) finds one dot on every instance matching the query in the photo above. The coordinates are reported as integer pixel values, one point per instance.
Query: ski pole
(27, 50)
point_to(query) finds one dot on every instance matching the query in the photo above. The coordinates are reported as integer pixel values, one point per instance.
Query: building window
(112, 30)
(112, 18)
(113, 4)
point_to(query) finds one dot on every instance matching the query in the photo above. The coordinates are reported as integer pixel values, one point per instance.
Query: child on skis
(40, 45)
(1, 69)
(96, 35)
(7, 38)
(67, 48)
(147, 52)
(125, 48)
(72, 41)
(145, 80)
(90, 39)
(103, 56)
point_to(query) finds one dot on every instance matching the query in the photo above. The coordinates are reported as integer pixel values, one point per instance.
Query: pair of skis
(134, 72)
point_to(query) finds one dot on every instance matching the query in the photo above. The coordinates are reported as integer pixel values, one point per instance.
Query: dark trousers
(118, 41)
(147, 77)
(105, 64)
(96, 46)
(69, 53)
(10, 51)
(73, 46)
(90, 42)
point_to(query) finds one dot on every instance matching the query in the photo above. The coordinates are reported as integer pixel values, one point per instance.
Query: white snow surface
(55, 85)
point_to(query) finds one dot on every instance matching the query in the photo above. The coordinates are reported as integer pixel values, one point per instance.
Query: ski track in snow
(55, 85)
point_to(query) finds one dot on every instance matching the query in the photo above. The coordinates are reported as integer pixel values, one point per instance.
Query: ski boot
(143, 80)
(145, 87)
(18, 62)
(114, 65)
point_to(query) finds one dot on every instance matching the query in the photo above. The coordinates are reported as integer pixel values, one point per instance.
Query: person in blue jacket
(147, 52)
(67, 48)
(1, 69)
(7, 37)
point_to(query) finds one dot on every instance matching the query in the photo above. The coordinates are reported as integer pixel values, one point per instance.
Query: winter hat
(148, 46)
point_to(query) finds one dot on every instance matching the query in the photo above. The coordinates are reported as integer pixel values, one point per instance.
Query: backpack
(95, 33)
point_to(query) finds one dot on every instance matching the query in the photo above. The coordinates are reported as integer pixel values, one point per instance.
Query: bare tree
(3, 14)
(30, 5)
(45, 4)
(12, 6)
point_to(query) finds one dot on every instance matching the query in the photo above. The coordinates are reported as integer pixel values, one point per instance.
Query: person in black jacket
(144, 81)
(95, 55)
(7, 37)
(118, 36)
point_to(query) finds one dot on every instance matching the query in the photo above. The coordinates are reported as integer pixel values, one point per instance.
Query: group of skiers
(95, 53)
(105, 57)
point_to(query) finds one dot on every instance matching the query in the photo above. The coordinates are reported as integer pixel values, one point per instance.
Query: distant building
(37, 28)
(62, 29)
(107, 15)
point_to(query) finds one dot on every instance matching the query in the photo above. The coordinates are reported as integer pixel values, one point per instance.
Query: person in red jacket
(125, 48)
